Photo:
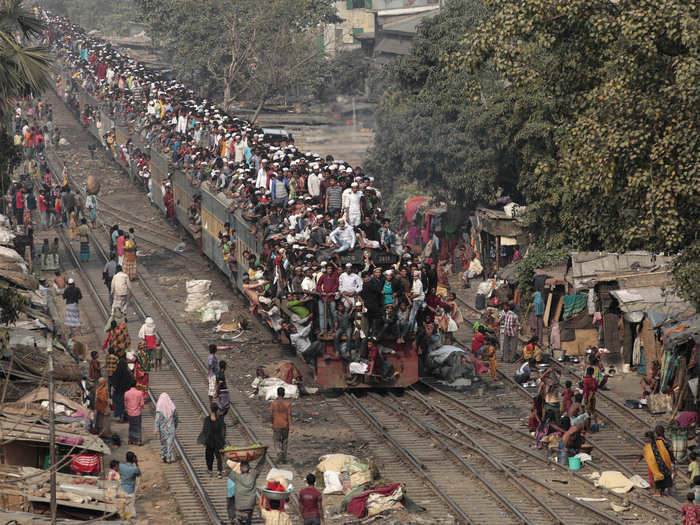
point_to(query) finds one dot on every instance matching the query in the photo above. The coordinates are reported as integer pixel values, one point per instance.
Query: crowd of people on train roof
(333, 264)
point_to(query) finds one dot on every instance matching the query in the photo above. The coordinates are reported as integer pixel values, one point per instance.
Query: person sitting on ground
(525, 371)
(532, 350)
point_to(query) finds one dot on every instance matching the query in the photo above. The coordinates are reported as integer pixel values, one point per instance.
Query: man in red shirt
(133, 403)
(43, 210)
(327, 287)
(19, 206)
(590, 386)
(311, 503)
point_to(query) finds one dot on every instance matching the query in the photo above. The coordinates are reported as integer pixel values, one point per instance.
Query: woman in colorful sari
(129, 265)
(659, 462)
(443, 286)
(147, 333)
(142, 368)
(165, 426)
(117, 334)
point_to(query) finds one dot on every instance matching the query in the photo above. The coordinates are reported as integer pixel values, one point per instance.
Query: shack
(498, 234)
(617, 301)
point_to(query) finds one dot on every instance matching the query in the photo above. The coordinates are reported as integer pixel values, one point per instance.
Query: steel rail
(459, 458)
(185, 460)
(193, 353)
(415, 462)
(524, 450)
(591, 508)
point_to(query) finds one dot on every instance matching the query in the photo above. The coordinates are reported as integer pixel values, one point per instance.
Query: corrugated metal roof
(652, 299)
(588, 268)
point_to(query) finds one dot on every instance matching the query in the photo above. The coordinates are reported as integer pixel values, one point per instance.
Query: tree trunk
(257, 110)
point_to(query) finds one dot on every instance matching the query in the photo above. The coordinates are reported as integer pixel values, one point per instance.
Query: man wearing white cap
(313, 183)
(72, 295)
(349, 285)
(343, 237)
(353, 210)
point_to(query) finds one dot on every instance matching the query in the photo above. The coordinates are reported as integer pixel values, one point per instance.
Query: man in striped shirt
(511, 324)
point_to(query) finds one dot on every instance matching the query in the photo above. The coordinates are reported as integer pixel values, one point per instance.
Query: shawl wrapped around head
(165, 405)
(147, 328)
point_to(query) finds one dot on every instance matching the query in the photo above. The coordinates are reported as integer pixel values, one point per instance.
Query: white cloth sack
(332, 483)
(268, 389)
(358, 368)
(196, 301)
(198, 286)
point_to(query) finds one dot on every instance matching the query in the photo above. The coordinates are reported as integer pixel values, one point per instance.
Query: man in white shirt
(239, 149)
(349, 285)
(261, 181)
(121, 290)
(417, 299)
(308, 284)
(343, 237)
(314, 183)
(300, 340)
(353, 208)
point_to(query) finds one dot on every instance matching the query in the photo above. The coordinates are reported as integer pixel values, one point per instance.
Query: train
(330, 370)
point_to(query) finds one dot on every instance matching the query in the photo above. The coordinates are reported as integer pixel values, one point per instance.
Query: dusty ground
(318, 431)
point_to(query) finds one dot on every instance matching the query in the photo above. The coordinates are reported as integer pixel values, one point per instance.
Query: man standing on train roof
(353, 208)
(281, 411)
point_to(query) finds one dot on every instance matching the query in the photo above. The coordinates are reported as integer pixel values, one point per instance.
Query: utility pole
(52, 429)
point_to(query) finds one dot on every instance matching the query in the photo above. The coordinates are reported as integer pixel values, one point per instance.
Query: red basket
(247, 453)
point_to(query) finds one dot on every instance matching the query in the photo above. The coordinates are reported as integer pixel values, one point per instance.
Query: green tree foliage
(11, 305)
(240, 50)
(589, 107)
(537, 257)
(430, 128)
(611, 90)
(345, 74)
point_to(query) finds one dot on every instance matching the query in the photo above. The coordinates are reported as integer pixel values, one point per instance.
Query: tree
(24, 69)
(240, 50)
(430, 129)
(611, 90)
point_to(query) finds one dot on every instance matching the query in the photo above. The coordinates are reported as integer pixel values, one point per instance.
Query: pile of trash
(358, 481)
(341, 473)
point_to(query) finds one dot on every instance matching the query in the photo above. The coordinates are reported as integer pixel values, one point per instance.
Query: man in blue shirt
(128, 472)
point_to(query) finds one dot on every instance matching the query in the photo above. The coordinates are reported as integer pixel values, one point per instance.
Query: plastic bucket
(574, 463)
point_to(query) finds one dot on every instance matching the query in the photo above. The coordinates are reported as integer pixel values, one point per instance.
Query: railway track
(203, 507)
(616, 446)
(201, 499)
(428, 484)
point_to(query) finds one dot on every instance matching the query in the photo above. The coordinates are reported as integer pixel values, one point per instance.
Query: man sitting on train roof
(343, 237)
